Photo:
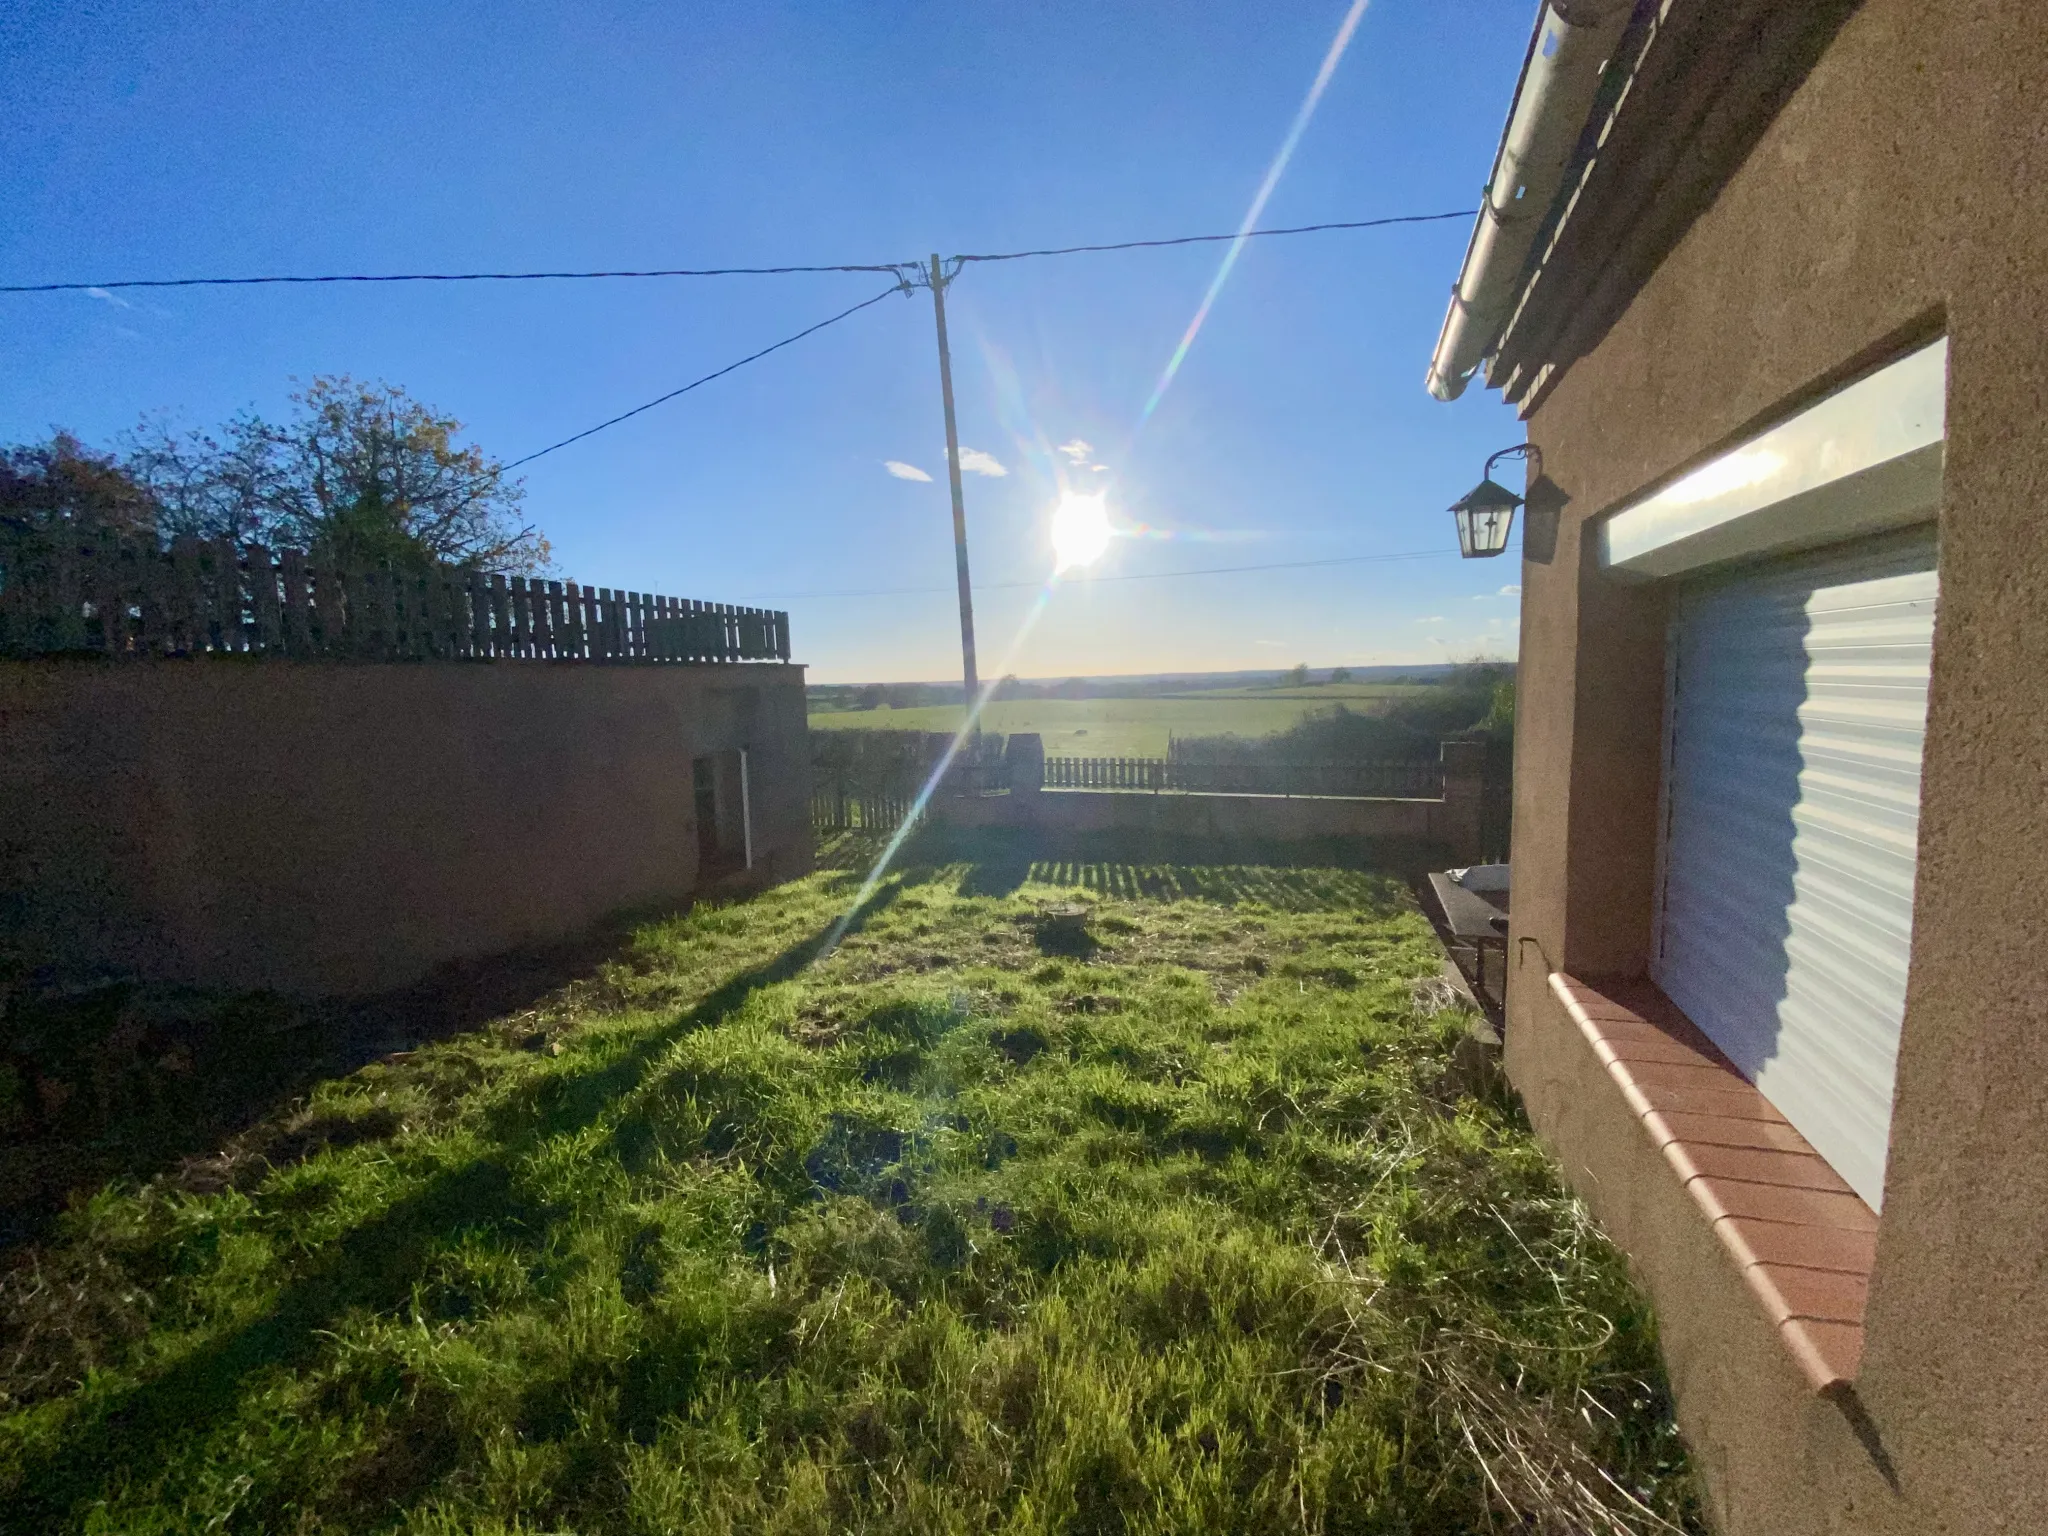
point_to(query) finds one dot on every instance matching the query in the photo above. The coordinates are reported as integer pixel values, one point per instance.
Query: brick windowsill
(1802, 1239)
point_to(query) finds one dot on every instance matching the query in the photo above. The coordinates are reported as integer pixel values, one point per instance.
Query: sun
(1080, 530)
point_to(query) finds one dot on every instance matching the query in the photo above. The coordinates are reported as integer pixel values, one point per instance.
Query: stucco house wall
(1893, 199)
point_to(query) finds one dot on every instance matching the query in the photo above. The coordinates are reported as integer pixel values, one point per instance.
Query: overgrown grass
(1061, 1197)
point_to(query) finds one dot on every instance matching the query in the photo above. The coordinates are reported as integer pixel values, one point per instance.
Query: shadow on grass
(567, 1102)
(1323, 875)
(372, 1267)
(125, 1080)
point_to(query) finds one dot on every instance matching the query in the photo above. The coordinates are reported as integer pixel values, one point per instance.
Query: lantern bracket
(1529, 453)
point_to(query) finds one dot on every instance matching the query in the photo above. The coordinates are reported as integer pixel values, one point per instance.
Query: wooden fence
(211, 596)
(871, 779)
(1401, 779)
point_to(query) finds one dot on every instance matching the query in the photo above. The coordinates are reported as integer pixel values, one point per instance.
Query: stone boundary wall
(1450, 823)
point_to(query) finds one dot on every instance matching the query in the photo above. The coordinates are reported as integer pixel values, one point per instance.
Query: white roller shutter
(1796, 709)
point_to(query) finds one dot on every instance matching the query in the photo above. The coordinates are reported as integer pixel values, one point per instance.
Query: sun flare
(1080, 530)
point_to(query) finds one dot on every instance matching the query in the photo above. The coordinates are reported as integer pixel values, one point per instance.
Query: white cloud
(1434, 618)
(1276, 644)
(108, 298)
(1079, 450)
(974, 462)
(1100, 469)
(1512, 589)
(903, 471)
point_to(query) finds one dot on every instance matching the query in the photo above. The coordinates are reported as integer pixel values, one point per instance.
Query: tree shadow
(372, 1267)
(566, 1102)
(120, 1079)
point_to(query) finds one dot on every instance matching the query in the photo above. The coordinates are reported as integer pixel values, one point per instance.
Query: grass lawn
(1129, 727)
(1063, 1196)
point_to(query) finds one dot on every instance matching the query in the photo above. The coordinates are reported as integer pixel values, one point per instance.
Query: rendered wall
(325, 827)
(1888, 202)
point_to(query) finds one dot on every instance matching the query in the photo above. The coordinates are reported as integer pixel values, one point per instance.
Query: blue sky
(179, 139)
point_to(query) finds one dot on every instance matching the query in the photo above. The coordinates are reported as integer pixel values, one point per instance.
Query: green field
(1130, 727)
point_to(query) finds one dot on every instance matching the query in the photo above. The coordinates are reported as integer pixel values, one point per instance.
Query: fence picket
(131, 573)
(190, 618)
(361, 608)
(100, 588)
(383, 584)
(65, 622)
(522, 618)
(295, 629)
(220, 597)
(472, 613)
(266, 627)
(347, 614)
(660, 629)
(496, 617)
(423, 610)
(416, 590)
(551, 599)
(403, 642)
(449, 620)
(545, 596)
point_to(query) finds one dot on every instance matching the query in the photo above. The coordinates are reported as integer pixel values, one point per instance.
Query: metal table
(1474, 920)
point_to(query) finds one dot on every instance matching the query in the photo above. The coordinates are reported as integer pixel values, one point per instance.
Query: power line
(895, 268)
(1250, 234)
(905, 280)
(721, 373)
(431, 277)
(905, 273)
(1212, 570)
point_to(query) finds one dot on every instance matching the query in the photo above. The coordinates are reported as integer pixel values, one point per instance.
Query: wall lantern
(1487, 511)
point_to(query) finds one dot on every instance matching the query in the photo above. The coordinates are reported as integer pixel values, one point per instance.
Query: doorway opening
(725, 832)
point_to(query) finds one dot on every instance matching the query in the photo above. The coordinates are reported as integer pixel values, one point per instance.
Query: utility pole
(938, 286)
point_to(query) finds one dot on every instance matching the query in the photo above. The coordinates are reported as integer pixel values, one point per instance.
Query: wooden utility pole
(938, 284)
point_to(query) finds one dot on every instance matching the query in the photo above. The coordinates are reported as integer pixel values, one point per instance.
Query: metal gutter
(1560, 81)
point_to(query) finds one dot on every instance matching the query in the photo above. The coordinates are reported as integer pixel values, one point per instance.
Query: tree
(1340, 674)
(203, 487)
(365, 472)
(359, 472)
(1295, 676)
(62, 489)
